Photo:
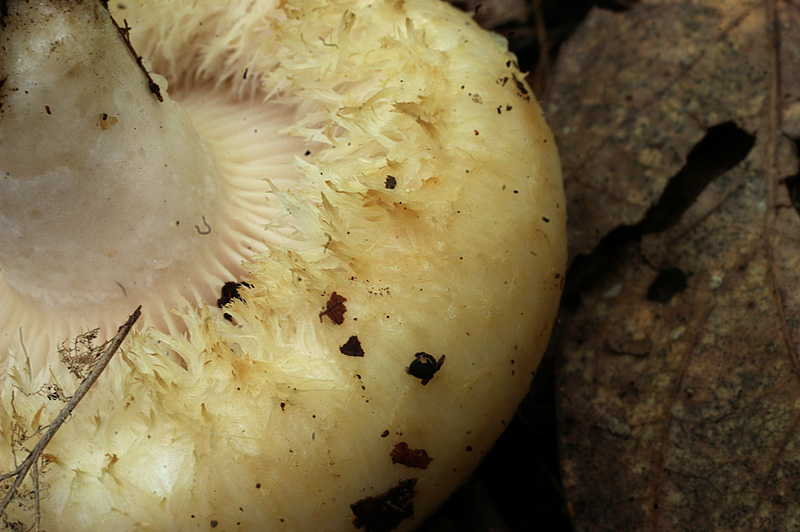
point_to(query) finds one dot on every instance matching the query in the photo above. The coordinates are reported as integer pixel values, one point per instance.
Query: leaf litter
(678, 381)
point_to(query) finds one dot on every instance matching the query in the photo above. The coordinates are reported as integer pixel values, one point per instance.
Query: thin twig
(36, 513)
(124, 33)
(541, 75)
(22, 470)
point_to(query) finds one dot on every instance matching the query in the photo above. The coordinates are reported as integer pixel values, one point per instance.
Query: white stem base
(104, 188)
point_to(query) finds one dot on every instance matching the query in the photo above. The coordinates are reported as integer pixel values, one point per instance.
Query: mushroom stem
(102, 183)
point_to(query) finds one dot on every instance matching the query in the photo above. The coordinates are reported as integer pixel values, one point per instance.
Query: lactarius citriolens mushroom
(372, 186)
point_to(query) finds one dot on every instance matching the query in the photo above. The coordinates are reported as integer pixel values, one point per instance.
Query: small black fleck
(230, 291)
(424, 367)
(156, 90)
(384, 512)
(352, 348)
(391, 182)
(214, 523)
(521, 89)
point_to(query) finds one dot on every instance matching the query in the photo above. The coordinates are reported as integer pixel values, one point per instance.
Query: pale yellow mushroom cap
(390, 189)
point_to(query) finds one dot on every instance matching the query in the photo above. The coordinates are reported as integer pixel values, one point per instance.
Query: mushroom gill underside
(374, 186)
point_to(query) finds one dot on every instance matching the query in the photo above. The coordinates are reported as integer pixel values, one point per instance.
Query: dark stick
(124, 32)
(22, 470)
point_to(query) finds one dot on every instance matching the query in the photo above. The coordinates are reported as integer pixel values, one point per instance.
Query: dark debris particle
(424, 367)
(335, 309)
(404, 455)
(390, 182)
(214, 523)
(156, 90)
(230, 291)
(352, 347)
(385, 433)
(385, 512)
(521, 89)
(2, 83)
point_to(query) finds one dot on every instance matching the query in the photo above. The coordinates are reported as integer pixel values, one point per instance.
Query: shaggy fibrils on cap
(344, 222)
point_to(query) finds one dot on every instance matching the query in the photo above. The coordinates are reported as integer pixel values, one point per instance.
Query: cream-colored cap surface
(390, 196)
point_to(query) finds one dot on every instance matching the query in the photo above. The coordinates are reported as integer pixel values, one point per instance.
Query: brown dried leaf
(679, 394)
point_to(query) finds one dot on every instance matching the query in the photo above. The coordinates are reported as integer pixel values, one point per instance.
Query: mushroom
(374, 186)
